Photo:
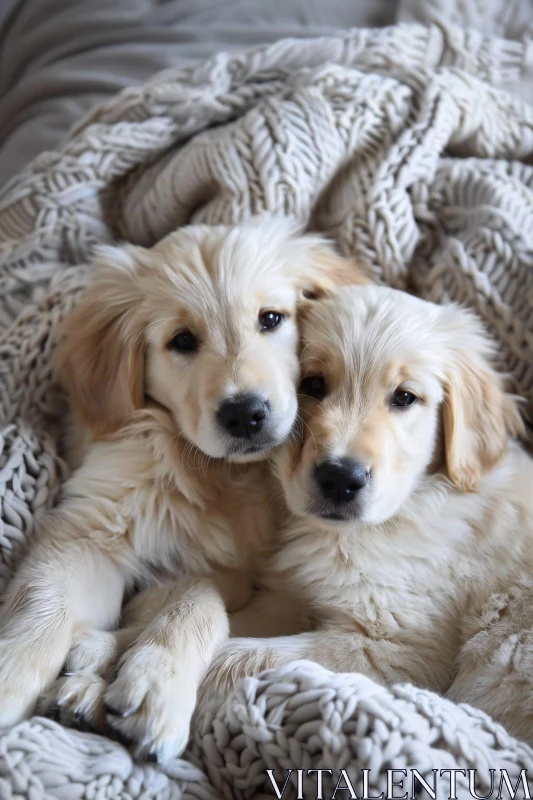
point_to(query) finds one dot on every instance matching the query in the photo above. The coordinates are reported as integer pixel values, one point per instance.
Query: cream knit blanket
(400, 143)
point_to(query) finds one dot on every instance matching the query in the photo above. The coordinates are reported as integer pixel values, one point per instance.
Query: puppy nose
(243, 416)
(340, 481)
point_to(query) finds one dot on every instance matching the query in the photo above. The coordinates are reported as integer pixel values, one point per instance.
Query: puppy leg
(77, 697)
(64, 585)
(152, 699)
(495, 666)
(335, 649)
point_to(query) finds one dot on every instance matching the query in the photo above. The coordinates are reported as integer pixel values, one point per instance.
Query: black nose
(243, 416)
(340, 481)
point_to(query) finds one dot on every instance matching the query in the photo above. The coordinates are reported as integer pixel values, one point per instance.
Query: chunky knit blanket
(404, 146)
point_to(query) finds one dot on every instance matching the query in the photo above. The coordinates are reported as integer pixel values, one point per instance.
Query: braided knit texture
(400, 143)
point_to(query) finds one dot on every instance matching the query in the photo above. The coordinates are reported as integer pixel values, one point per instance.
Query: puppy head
(382, 372)
(203, 324)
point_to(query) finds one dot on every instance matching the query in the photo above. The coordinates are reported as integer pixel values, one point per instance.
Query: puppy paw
(93, 651)
(76, 701)
(151, 702)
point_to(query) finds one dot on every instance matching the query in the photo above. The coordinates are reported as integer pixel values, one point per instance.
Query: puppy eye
(402, 399)
(314, 386)
(268, 320)
(184, 342)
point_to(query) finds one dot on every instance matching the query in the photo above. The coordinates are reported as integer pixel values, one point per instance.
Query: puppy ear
(100, 360)
(322, 270)
(479, 416)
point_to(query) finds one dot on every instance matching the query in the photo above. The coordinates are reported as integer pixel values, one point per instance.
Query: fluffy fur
(404, 582)
(160, 491)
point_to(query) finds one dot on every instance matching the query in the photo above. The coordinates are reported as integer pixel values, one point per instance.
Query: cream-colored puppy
(176, 353)
(411, 501)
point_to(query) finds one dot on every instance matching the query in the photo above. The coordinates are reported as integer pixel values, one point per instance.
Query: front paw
(76, 700)
(93, 651)
(151, 702)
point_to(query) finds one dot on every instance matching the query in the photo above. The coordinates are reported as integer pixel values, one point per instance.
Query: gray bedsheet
(60, 57)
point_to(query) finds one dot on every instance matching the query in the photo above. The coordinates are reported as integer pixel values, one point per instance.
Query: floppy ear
(479, 416)
(100, 360)
(321, 270)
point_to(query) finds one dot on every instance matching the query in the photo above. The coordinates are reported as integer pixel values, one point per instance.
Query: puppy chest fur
(169, 512)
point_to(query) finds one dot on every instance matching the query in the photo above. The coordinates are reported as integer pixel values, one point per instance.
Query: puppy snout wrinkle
(243, 416)
(340, 481)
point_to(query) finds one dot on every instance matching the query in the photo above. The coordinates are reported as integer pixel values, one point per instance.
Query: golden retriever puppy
(411, 501)
(181, 362)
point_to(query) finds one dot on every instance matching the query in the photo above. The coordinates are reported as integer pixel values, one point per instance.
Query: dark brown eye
(268, 320)
(314, 386)
(184, 342)
(402, 399)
